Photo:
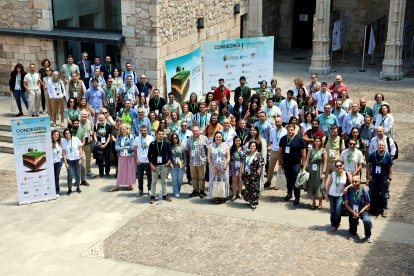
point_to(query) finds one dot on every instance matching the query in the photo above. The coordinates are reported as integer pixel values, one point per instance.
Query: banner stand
(363, 51)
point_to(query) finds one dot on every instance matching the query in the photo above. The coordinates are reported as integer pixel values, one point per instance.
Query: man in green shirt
(327, 120)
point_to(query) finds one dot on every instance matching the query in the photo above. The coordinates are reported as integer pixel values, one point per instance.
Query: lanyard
(32, 75)
(202, 121)
(288, 105)
(316, 154)
(110, 68)
(110, 93)
(193, 144)
(323, 96)
(353, 119)
(144, 143)
(75, 86)
(338, 179)
(70, 146)
(193, 107)
(242, 135)
(237, 155)
(225, 136)
(250, 158)
(380, 161)
(278, 133)
(156, 104)
(84, 66)
(350, 157)
(367, 132)
(219, 151)
(290, 140)
(357, 196)
(160, 149)
(177, 151)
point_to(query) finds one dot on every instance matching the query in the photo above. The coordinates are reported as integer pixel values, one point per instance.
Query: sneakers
(152, 200)
(167, 198)
(177, 195)
(19, 114)
(384, 214)
(139, 193)
(78, 191)
(287, 197)
(194, 194)
(90, 174)
(296, 202)
(369, 240)
(85, 183)
(57, 195)
(69, 192)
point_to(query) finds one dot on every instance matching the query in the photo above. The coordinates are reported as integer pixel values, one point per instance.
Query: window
(87, 14)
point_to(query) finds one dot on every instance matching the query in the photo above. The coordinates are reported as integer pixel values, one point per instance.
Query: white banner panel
(33, 158)
(230, 59)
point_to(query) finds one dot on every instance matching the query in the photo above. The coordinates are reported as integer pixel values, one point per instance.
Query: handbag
(219, 188)
(302, 179)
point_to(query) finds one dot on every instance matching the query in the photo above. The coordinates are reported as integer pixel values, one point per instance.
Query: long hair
(233, 148)
(19, 65)
(258, 138)
(59, 139)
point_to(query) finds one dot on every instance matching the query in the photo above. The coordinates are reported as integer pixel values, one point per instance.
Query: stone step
(4, 127)
(6, 136)
(6, 147)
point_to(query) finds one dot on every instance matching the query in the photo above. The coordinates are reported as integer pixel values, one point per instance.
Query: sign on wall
(230, 59)
(33, 158)
(184, 75)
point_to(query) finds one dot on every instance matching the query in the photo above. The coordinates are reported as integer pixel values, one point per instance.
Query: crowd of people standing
(122, 121)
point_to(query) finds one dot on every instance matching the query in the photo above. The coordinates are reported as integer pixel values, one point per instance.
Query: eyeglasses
(338, 166)
(71, 101)
(106, 112)
(352, 144)
(109, 81)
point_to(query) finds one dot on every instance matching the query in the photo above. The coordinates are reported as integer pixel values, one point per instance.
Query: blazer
(82, 69)
(12, 81)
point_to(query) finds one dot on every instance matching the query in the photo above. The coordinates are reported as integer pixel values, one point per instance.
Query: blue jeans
(381, 186)
(353, 224)
(74, 168)
(335, 206)
(144, 168)
(21, 94)
(56, 168)
(177, 180)
(291, 173)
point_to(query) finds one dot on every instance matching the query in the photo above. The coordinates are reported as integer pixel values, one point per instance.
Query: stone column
(320, 63)
(392, 63)
(254, 19)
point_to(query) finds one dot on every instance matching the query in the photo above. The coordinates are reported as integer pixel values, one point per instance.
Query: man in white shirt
(381, 137)
(183, 135)
(272, 111)
(352, 158)
(56, 91)
(32, 85)
(276, 133)
(322, 97)
(202, 118)
(353, 119)
(172, 104)
(228, 133)
(288, 108)
(141, 145)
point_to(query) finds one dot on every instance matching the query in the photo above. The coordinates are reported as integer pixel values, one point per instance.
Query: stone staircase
(6, 140)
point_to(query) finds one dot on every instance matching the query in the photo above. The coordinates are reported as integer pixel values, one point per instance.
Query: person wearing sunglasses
(352, 158)
(335, 187)
(46, 79)
(357, 202)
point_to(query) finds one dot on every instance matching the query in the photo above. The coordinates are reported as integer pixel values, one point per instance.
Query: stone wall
(286, 24)
(178, 32)
(271, 19)
(24, 14)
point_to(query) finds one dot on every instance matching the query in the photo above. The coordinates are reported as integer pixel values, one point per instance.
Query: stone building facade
(151, 31)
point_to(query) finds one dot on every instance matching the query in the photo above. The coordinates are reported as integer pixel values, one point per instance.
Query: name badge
(86, 75)
(378, 169)
(237, 165)
(177, 159)
(366, 142)
(193, 153)
(247, 169)
(125, 151)
(338, 192)
(152, 133)
(325, 129)
(159, 159)
(314, 167)
(103, 140)
(210, 140)
(331, 153)
(335, 96)
(109, 76)
(111, 100)
(355, 208)
(287, 150)
(142, 94)
(75, 94)
(157, 112)
(130, 96)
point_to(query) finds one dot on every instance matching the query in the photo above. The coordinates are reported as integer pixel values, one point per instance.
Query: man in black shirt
(292, 156)
(107, 69)
(160, 157)
(243, 91)
(156, 103)
(242, 131)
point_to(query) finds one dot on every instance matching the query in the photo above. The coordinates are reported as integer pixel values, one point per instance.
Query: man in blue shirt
(379, 171)
(95, 97)
(144, 87)
(327, 120)
(357, 202)
(129, 72)
(160, 157)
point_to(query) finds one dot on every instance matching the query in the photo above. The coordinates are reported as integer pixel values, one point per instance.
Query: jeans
(335, 206)
(144, 168)
(100, 160)
(74, 167)
(162, 171)
(353, 224)
(23, 95)
(381, 186)
(291, 173)
(56, 168)
(177, 180)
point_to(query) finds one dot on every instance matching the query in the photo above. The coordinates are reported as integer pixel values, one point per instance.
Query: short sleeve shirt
(380, 165)
(197, 148)
(71, 148)
(295, 146)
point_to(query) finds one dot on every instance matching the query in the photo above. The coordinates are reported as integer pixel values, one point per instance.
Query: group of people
(123, 121)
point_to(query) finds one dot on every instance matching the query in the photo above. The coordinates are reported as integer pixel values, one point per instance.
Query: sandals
(320, 206)
(313, 206)
(130, 188)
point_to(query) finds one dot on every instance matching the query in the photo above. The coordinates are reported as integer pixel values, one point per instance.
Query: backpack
(326, 142)
(123, 76)
(389, 148)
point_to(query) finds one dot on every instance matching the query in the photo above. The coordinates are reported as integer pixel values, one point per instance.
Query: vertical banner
(336, 36)
(33, 158)
(184, 75)
(231, 59)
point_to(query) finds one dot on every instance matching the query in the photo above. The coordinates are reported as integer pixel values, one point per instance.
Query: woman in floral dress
(218, 157)
(251, 170)
(237, 154)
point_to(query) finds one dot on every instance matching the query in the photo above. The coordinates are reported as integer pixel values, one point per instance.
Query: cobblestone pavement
(207, 244)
